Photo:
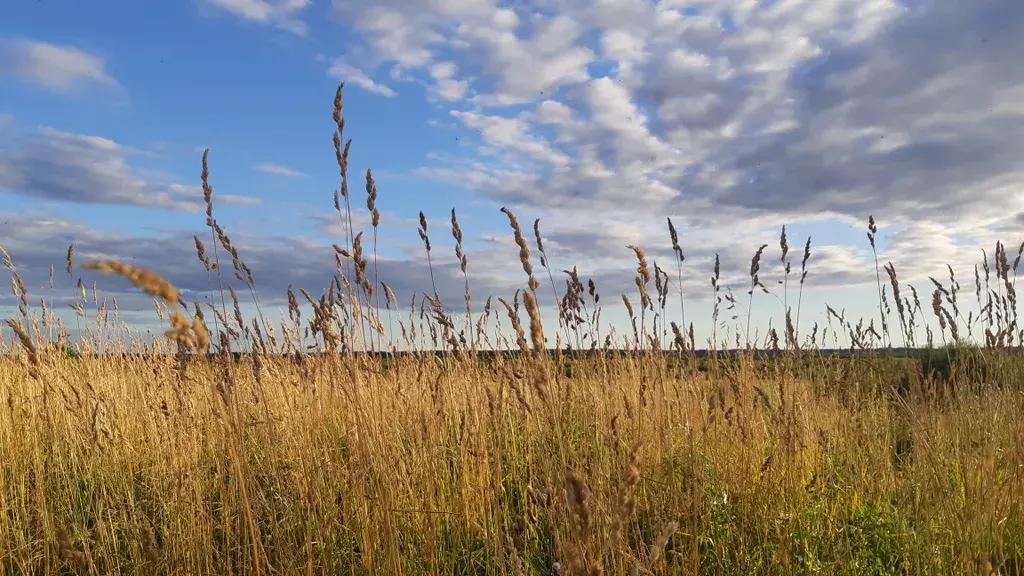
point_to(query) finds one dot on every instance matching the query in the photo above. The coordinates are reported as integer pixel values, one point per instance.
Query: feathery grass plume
(755, 282)
(360, 263)
(207, 189)
(371, 206)
(678, 251)
(1009, 299)
(180, 331)
(660, 286)
(643, 278)
(391, 303)
(786, 264)
(643, 274)
(391, 300)
(803, 262)
(890, 269)
(152, 284)
(1016, 260)
(954, 288)
(716, 300)
(938, 311)
(212, 225)
(787, 268)
(341, 252)
(663, 292)
(148, 281)
(595, 317)
(293, 306)
(571, 306)
(678, 340)
(463, 264)
(540, 243)
(201, 253)
(536, 328)
(238, 308)
(546, 264)
(70, 259)
(977, 289)
(581, 520)
(872, 232)
(624, 507)
(426, 245)
(480, 323)
(341, 156)
(576, 306)
(632, 321)
(791, 339)
(26, 341)
(657, 555)
(20, 289)
(70, 553)
(524, 248)
(913, 310)
(517, 325)
(225, 241)
(371, 199)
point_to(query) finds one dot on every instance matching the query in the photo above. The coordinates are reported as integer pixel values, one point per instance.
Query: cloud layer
(283, 14)
(55, 67)
(719, 110)
(51, 165)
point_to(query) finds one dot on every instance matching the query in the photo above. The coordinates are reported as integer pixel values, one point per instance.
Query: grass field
(229, 446)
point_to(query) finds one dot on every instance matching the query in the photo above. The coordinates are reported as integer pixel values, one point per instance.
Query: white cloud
(510, 133)
(735, 115)
(350, 74)
(280, 170)
(196, 192)
(445, 84)
(55, 67)
(283, 14)
(52, 165)
(395, 35)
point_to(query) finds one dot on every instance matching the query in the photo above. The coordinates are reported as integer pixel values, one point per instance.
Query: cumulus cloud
(55, 67)
(446, 86)
(51, 165)
(342, 71)
(728, 114)
(283, 14)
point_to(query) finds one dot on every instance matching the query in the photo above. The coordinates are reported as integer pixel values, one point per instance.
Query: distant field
(238, 446)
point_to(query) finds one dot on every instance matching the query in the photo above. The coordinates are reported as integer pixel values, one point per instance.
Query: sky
(600, 118)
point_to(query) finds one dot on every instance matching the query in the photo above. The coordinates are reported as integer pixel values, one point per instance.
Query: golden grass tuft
(146, 280)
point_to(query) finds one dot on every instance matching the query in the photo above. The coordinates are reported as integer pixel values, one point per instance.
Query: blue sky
(190, 76)
(733, 117)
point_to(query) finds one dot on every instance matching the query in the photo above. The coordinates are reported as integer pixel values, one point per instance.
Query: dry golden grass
(228, 448)
(336, 464)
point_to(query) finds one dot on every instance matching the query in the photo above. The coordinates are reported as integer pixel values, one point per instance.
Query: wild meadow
(362, 435)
